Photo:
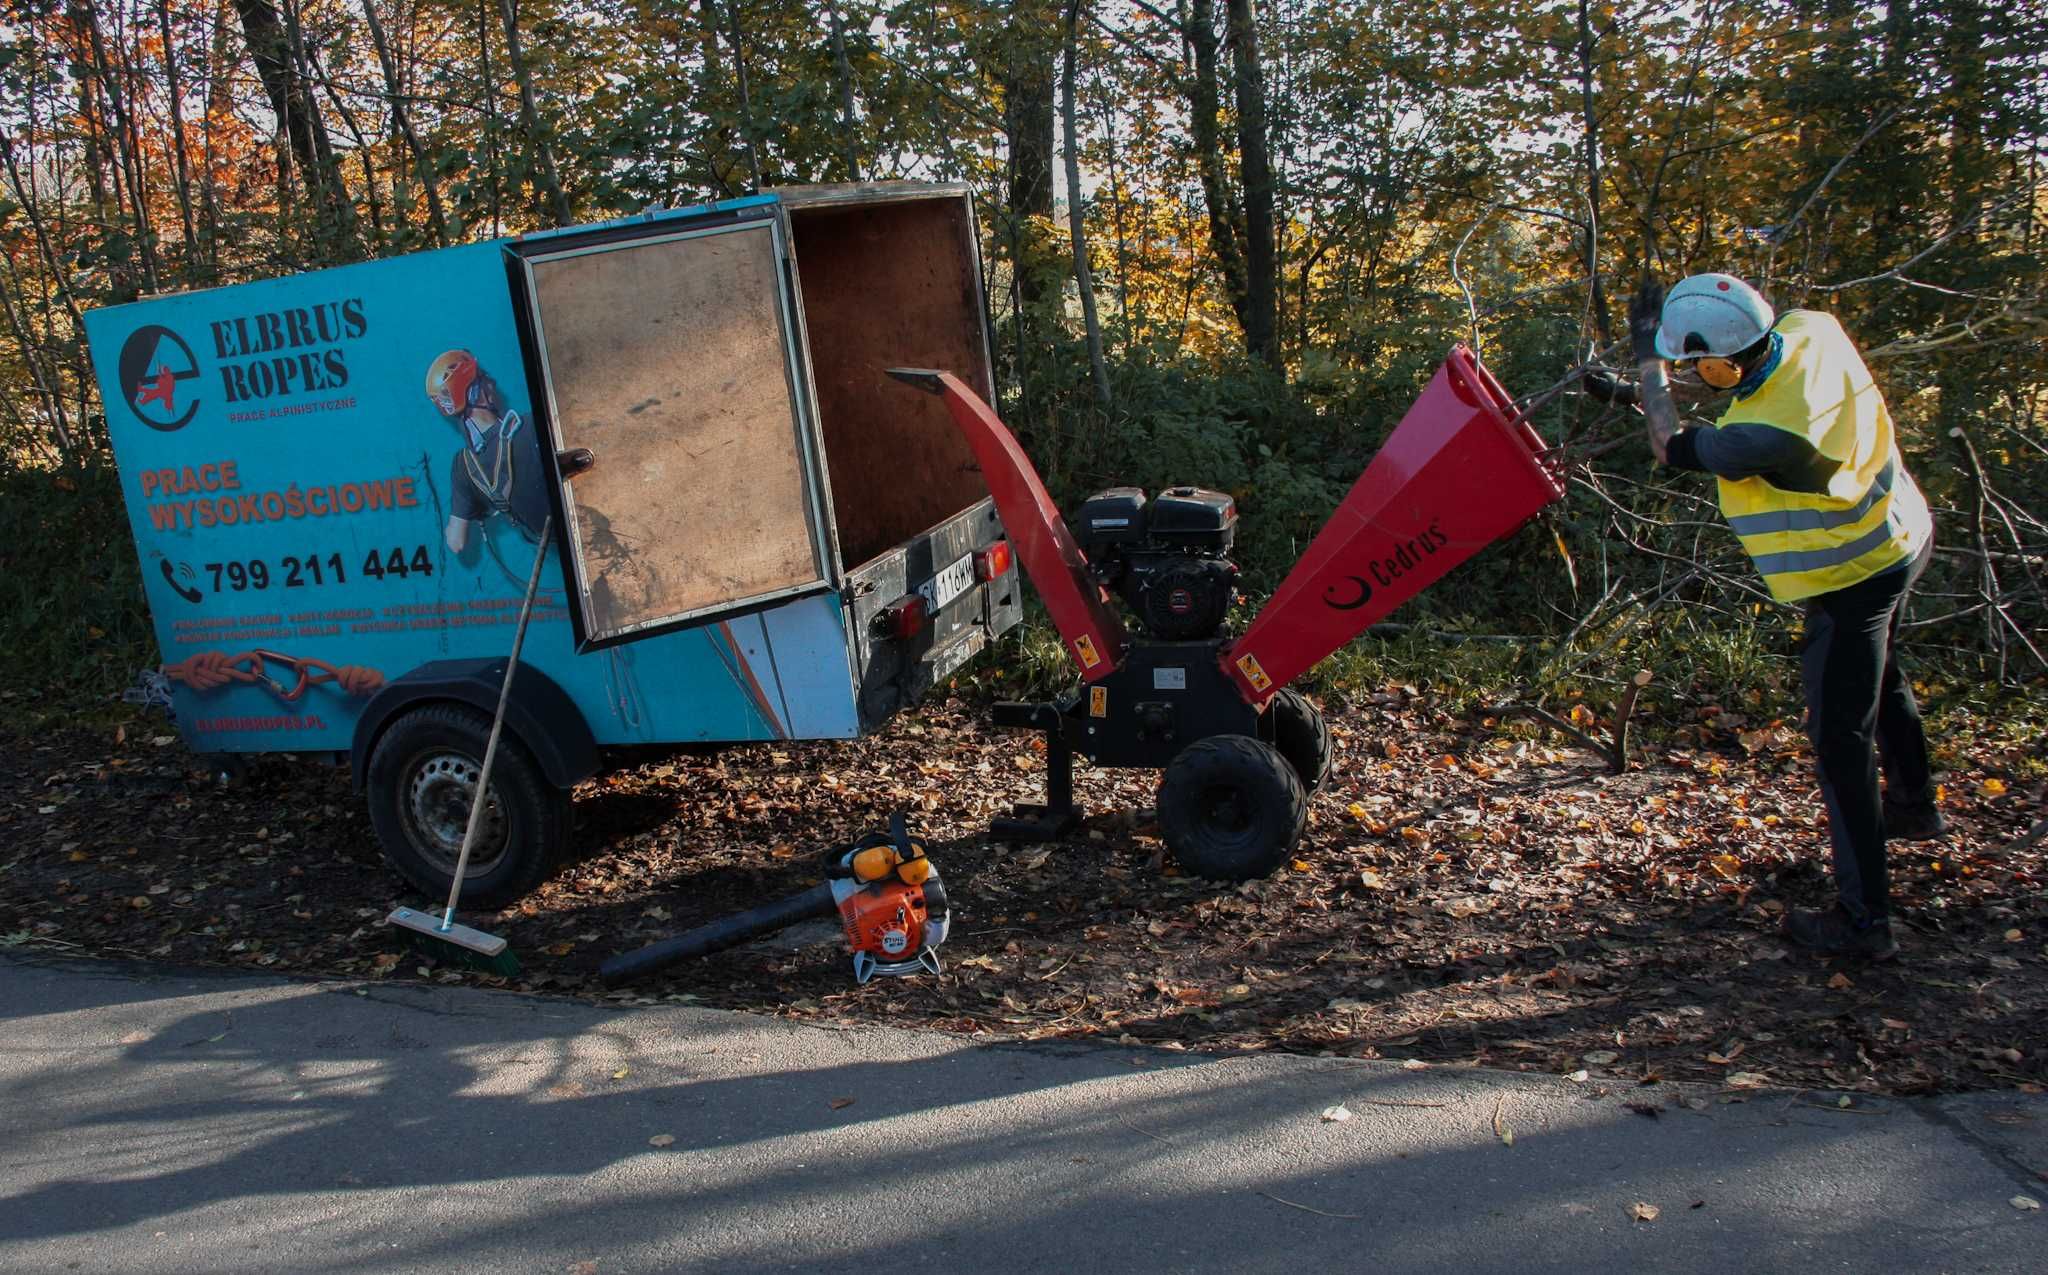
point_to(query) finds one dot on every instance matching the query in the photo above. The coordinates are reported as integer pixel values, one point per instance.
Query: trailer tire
(1302, 736)
(1231, 808)
(419, 783)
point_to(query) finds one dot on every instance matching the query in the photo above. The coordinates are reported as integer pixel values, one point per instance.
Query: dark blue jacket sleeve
(1780, 458)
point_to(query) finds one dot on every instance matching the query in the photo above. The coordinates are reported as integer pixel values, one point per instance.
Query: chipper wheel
(1302, 737)
(1231, 808)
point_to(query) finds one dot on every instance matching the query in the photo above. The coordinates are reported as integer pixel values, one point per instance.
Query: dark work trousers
(1856, 696)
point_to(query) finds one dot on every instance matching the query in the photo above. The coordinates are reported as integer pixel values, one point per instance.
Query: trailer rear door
(670, 350)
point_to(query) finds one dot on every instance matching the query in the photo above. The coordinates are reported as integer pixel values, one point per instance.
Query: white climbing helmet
(1716, 315)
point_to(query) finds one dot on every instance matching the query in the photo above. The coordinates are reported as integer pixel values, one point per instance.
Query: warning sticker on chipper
(1098, 701)
(1084, 646)
(1249, 666)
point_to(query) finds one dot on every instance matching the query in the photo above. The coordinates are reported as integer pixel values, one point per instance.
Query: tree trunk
(338, 208)
(48, 388)
(1592, 130)
(529, 119)
(1076, 222)
(277, 65)
(127, 145)
(1261, 252)
(1107, 110)
(437, 220)
(843, 69)
(739, 63)
(490, 95)
(718, 169)
(365, 153)
(1028, 125)
(218, 104)
(1224, 215)
(175, 92)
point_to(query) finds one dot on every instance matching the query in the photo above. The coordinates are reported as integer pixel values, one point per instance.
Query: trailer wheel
(1231, 807)
(420, 781)
(1302, 736)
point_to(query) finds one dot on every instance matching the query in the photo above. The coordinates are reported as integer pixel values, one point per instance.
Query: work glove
(1643, 315)
(1609, 388)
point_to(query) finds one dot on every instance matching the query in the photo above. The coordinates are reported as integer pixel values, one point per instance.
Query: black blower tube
(723, 933)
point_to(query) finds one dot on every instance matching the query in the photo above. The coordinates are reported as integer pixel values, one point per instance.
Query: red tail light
(992, 561)
(903, 618)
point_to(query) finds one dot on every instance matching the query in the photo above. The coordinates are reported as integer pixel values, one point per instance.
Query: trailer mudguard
(1088, 625)
(538, 711)
(1459, 472)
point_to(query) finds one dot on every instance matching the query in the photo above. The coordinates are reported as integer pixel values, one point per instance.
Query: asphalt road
(172, 1121)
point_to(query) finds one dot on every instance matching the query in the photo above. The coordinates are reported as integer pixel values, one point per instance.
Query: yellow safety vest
(1872, 516)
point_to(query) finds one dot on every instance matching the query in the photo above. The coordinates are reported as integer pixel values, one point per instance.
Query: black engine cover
(1194, 518)
(1110, 518)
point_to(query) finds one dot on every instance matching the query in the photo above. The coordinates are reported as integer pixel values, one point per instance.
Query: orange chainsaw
(884, 888)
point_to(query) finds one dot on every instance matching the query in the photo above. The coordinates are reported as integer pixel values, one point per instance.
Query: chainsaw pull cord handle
(483, 776)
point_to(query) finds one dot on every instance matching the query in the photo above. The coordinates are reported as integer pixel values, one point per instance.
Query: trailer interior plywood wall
(891, 283)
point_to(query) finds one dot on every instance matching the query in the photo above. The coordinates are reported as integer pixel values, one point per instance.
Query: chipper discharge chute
(1240, 751)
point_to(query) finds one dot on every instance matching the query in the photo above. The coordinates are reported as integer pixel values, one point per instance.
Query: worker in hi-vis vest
(1812, 483)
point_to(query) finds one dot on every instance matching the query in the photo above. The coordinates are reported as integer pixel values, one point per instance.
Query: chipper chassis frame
(1240, 752)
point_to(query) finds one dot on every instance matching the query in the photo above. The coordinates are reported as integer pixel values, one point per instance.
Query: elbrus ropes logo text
(272, 354)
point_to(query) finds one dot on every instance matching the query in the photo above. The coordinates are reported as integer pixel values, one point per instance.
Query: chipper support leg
(1058, 815)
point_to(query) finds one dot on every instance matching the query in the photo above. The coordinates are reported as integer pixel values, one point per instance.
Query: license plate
(944, 662)
(941, 589)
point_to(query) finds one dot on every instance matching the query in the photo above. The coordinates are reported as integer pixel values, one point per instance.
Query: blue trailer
(338, 483)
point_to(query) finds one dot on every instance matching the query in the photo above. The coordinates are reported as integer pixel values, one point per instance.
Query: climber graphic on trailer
(497, 467)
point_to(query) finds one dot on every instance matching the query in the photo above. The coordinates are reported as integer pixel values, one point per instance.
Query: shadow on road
(948, 1151)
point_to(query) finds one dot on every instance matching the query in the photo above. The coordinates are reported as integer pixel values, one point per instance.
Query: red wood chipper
(1241, 752)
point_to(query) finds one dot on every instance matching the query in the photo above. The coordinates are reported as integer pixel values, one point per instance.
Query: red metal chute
(1459, 472)
(1057, 568)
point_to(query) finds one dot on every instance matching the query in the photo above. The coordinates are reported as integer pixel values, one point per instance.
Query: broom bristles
(454, 944)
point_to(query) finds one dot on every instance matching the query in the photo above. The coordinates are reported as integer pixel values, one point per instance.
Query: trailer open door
(671, 352)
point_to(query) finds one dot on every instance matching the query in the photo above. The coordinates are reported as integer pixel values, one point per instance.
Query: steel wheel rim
(1228, 812)
(435, 809)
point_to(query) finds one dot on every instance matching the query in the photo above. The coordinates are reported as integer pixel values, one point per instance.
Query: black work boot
(1913, 820)
(1835, 933)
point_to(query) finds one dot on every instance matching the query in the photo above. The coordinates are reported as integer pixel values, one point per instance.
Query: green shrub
(72, 616)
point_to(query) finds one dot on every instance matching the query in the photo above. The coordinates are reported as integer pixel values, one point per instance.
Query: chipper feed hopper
(1240, 751)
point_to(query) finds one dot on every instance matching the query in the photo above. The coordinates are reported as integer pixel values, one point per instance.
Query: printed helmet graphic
(455, 383)
(1716, 315)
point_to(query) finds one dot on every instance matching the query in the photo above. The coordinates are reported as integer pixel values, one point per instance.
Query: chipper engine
(1167, 560)
(1240, 751)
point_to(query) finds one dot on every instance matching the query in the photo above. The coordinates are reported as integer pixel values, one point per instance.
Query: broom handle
(483, 778)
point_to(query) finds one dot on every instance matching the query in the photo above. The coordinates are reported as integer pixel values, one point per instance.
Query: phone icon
(184, 569)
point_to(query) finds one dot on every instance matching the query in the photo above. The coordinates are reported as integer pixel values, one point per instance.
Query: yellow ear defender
(1718, 373)
(877, 863)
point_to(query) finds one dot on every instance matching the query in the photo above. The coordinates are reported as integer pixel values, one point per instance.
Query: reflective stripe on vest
(1816, 519)
(1797, 560)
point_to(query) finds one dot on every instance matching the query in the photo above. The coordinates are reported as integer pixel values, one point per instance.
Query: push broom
(443, 938)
